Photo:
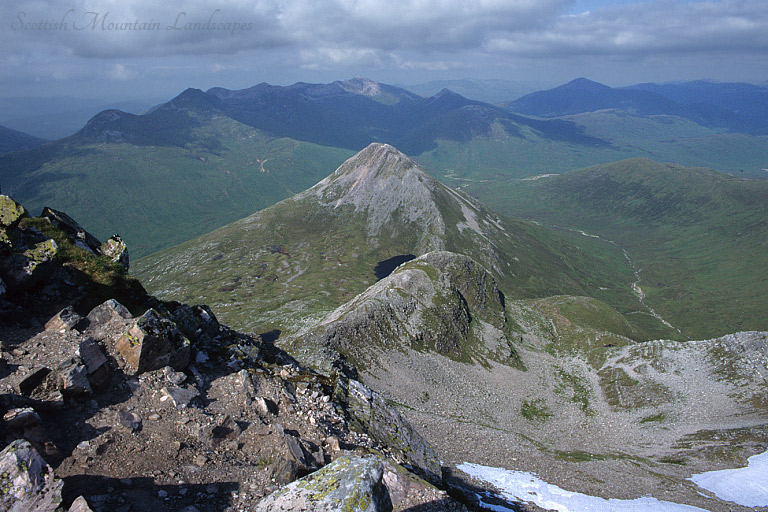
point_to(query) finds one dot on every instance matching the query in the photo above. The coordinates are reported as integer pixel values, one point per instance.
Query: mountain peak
(586, 84)
(389, 187)
(375, 164)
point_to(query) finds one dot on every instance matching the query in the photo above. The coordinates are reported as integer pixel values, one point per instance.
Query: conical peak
(377, 169)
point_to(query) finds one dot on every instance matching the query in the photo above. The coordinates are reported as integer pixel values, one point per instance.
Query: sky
(132, 49)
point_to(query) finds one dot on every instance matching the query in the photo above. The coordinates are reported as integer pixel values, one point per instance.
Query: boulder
(79, 236)
(33, 380)
(27, 483)
(11, 212)
(130, 420)
(95, 362)
(180, 397)
(347, 484)
(108, 311)
(152, 343)
(194, 321)
(369, 412)
(66, 320)
(73, 378)
(116, 250)
(80, 505)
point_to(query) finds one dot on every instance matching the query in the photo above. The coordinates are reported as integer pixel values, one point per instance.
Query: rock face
(26, 256)
(370, 413)
(154, 342)
(10, 212)
(347, 484)
(27, 483)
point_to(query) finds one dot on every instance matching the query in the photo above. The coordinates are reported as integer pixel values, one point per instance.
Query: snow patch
(744, 486)
(526, 487)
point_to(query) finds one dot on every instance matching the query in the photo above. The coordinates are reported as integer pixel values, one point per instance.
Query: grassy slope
(158, 196)
(662, 138)
(698, 236)
(295, 261)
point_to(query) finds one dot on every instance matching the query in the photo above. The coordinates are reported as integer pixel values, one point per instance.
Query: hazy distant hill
(57, 117)
(488, 90)
(13, 140)
(582, 95)
(746, 101)
(164, 177)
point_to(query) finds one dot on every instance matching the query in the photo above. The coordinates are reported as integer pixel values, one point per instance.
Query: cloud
(135, 40)
(646, 29)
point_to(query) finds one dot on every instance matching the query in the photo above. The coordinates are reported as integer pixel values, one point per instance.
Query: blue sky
(141, 48)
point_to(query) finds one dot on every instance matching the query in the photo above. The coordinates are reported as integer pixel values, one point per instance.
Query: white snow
(526, 487)
(745, 486)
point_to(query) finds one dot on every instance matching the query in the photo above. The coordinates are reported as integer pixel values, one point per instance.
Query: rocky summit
(112, 399)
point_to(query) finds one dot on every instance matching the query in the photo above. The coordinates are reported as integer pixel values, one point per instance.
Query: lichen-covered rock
(349, 484)
(27, 266)
(370, 413)
(152, 343)
(72, 229)
(27, 483)
(10, 211)
(116, 250)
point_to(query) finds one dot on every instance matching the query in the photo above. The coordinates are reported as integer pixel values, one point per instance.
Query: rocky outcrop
(26, 255)
(116, 250)
(73, 230)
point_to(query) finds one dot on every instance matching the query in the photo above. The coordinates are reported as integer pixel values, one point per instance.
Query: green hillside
(502, 155)
(156, 196)
(697, 237)
(290, 264)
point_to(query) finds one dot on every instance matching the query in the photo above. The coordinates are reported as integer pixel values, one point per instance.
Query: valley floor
(675, 421)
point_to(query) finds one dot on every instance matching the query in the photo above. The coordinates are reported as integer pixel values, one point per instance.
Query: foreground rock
(155, 405)
(349, 483)
(27, 483)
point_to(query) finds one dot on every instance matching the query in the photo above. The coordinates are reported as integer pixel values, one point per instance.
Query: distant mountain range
(58, 117)
(176, 166)
(207, 158)
(13, 140)
(487, 90)
(734, 107)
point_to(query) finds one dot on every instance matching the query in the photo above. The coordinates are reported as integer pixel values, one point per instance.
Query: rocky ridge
(158, 406)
